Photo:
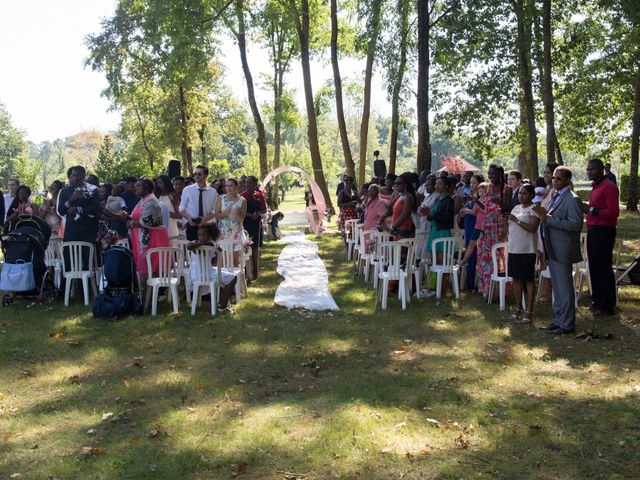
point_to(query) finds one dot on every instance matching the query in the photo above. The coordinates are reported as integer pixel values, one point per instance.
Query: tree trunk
(255, 111)
(374, 29)
(403, 7)
(302, 27)
(143, 137)
(632, 192)
(530, 167)
(424, 135)
(187, 153)
(203, 148)
(278, 86)
(553, 148)
(337, 82)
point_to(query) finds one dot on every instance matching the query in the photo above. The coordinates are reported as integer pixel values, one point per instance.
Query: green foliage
(13, 149)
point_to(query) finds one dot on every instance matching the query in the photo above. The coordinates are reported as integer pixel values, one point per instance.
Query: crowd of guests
(148, 213)
(541, 219)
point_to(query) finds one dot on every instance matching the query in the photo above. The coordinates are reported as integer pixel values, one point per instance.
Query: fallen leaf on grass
(200, 387)
(107, 416)
(238, 468)
(184, 397)
(7, 436)
(74, 379)
(154, 433)
(57, 335)
(461, 441)
(89, 451)
(134, 440)
(125, 382)
(434, 421)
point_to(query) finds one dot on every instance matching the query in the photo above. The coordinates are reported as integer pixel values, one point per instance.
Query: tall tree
(529, 142)
(373, 30)
(337, 82)
(279, 35)
(430, 14)
(422, 107)
(396, 73)
(302, 22)
(553, 147)
(239, 31)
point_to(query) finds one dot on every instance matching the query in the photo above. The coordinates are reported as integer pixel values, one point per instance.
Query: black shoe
(560, 331)
(603, 312)
(551, 326)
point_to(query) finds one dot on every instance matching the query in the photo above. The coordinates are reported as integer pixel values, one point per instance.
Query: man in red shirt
(602, 217)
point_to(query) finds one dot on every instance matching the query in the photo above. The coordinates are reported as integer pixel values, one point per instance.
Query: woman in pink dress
(147, 229)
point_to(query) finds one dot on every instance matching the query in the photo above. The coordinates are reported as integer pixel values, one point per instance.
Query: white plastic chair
(420, 257)
(349, 230)
(357, 248)
(204, 255)
(367, 250)
(74, 271)
(394, 271)
(168, 275)
(233, 261)
(496, 277)
(451, 248)
(581, 269)
(380, 257)
(182, 245)
(52, 259)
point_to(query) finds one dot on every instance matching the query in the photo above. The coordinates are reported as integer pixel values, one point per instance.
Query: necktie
(554, 199)
(200, 205)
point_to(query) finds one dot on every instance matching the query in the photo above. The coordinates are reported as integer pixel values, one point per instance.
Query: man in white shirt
(198, 202)
(12, 187)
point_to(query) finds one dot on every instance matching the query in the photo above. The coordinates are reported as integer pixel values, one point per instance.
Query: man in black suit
(79, 203)
(514, 180)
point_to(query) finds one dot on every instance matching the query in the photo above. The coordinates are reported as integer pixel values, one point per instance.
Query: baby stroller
(118, 299)
(24, 269)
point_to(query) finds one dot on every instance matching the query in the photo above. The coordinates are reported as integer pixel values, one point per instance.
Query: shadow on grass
(446, 390)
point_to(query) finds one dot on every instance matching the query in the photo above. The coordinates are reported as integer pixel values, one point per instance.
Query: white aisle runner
(306, 282)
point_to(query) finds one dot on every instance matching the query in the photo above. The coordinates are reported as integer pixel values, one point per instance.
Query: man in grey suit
(561, 225)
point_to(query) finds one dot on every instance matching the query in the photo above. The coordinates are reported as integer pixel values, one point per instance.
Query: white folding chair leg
(67, 292)
(438, 284)
(385, 293)
(85, 289)
(503, 286)
(173, 289)
(456, 285)
(403, 293)
(214, 298)
(490, 296)
(154, 300)
(194, 299)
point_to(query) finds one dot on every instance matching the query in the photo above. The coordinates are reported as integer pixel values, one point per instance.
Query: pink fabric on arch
(317, 226)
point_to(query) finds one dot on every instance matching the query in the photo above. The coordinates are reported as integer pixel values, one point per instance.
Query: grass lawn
(445, 390)
(293, 201)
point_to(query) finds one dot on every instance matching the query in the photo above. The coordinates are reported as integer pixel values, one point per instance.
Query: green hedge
(583, 193)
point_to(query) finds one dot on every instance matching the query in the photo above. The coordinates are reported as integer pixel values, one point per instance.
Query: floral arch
(315, 212)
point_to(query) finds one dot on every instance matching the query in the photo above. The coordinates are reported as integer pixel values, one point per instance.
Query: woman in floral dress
(494, 228)
(231, 209)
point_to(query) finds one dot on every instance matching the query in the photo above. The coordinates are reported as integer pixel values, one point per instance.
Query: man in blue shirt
(129, 194)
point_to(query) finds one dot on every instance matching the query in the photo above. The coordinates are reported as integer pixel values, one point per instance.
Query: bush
(583, 193)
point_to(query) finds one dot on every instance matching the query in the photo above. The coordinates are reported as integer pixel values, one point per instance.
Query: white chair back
(349, 228)
(228, 254)
(204, 256)
(74, 257)
(168, 258)
(183, 244)
(451, 250)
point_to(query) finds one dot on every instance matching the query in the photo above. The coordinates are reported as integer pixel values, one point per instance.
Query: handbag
(116, 306)
(17, 277)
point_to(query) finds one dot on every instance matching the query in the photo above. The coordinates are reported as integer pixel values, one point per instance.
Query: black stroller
(27, 243)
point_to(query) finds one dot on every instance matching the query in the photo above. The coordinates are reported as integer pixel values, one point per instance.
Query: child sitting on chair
(207, 235)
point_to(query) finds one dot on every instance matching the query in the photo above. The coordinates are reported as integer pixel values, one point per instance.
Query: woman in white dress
(167, 195)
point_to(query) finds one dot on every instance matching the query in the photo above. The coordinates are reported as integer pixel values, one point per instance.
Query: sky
(50, 94)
